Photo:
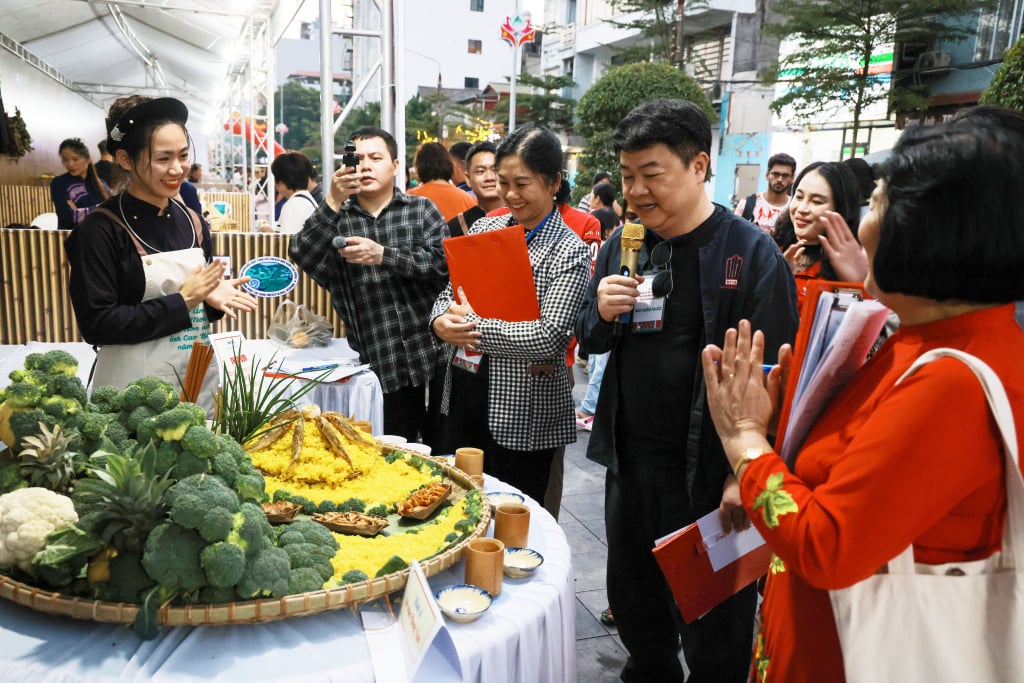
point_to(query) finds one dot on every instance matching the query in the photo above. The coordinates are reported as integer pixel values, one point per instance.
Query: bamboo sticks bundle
(198, 364)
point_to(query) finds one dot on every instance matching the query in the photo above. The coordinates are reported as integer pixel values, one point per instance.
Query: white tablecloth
(527, 636)
(360, 395)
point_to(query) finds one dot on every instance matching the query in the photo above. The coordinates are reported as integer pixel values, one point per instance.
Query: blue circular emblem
(271, 276)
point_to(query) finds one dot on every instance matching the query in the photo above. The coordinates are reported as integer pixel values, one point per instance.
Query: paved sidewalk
(599, 653)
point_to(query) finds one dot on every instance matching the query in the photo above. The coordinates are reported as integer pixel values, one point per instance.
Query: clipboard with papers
(493, 268)
(839, 325)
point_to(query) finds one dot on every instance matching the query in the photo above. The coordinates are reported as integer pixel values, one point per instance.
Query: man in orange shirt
(434, 168)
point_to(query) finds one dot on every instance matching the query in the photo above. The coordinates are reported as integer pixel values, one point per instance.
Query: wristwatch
(747, 456)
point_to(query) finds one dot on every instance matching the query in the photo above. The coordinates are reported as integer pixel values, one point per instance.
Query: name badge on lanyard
(649, 312)
(467, 360)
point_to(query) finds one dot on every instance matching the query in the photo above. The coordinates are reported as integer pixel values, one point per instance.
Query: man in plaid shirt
(385, 277)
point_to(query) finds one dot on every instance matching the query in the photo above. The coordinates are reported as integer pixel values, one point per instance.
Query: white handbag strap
(999, 404)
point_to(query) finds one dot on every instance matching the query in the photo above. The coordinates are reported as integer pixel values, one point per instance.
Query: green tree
(545, 107)
(613, 96)
(298, 107)
(660, 24)
(836, 43)
(366, 115)
(1007, 86)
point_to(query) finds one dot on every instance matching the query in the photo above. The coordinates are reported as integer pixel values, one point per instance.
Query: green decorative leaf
(775, 501)
(777, 566)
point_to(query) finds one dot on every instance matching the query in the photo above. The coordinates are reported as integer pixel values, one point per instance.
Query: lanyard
(533, 233)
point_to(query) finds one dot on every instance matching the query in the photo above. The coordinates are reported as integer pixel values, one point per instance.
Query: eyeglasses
(661, 259)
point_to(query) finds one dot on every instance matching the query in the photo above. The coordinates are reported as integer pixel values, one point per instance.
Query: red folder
(493, 268)
(696, 586)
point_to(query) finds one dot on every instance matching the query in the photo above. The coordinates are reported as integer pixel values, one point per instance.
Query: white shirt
(295, 211)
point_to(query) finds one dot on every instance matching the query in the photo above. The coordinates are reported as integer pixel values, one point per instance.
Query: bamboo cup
(471, 461)
(512, 524)
(485, 563)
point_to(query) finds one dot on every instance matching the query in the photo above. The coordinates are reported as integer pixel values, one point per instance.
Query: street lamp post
(515, 31)
(440, 111)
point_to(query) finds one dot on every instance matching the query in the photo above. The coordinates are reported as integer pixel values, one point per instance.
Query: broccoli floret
(217, 524)
(250, 528)
(135, 418)
(26, 423)
(94, 425)
(128, 580)
(23, 395)
(70, 387)
(380, 509)
(223, 465)
(171, 557)
(326, 506)
(189, 465)
(311, 532)
(234, 449)
(60, 408)
(281, 494)
(317, 557)
(27, 376)
(304, 580)
(223, 563)
(167, 457)
(107, 399)
(132, 397)
(352, 504)
(251, 487)
(393, 456)
(266, 575)
(353, 576)
(200, 441)
(192, 497)
(54, 362)
(162, 398)
(172, 424)
(118, 435)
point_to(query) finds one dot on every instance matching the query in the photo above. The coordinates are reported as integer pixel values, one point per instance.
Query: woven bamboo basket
(251, 611)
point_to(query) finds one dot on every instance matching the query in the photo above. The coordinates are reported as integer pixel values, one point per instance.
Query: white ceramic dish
(462, 602)
(501, 497)
(521, 562)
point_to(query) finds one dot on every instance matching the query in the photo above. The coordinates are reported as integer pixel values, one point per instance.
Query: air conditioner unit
(933, 59)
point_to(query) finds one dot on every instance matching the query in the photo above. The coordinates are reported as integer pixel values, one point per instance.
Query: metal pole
(512, 91)
(326, 97)
(387, 94)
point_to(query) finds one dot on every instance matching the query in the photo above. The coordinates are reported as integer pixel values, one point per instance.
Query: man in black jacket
(702, 270)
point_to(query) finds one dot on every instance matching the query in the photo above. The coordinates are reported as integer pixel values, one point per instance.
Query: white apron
(120, 364)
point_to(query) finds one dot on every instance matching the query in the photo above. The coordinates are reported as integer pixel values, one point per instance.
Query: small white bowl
(416, 447)
(521, 562)
(392, 440)
(501, 497)
(463, 602)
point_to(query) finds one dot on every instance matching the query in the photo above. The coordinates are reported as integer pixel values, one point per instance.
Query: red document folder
(493, 268)
(696, 586)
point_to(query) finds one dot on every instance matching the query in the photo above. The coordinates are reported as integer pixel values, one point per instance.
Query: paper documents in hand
(703, 565)
(841, 334)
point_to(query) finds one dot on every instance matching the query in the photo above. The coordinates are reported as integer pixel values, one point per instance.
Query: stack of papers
(325, 370)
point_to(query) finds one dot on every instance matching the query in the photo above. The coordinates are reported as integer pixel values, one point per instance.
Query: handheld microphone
(339, 242)
(632, 240)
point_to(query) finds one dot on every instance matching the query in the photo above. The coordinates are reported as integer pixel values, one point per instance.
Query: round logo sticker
(271, 276)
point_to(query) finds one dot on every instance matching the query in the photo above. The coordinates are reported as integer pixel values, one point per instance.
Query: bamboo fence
(34, 305)
(19, 204)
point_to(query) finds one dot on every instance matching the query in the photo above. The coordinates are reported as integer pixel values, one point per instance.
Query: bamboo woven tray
(251, 611)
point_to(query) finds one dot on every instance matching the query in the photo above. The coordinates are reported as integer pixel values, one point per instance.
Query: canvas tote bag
(962, 621)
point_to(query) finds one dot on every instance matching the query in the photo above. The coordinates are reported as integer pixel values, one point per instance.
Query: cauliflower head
(27, 517)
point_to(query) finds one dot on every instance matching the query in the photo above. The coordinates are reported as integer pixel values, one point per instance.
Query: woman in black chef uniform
(143, 285)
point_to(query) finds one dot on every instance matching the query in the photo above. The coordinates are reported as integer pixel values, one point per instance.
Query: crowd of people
(680, 412)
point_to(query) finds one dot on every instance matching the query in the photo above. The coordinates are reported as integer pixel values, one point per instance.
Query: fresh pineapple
(47, 459)
(123, 499)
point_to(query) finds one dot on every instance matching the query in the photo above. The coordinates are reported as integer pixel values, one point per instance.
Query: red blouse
(885, 466)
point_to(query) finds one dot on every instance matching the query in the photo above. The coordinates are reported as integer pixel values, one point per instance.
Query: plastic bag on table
(296, 327)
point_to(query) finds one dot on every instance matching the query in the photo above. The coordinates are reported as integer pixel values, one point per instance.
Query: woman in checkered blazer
(506, 385)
